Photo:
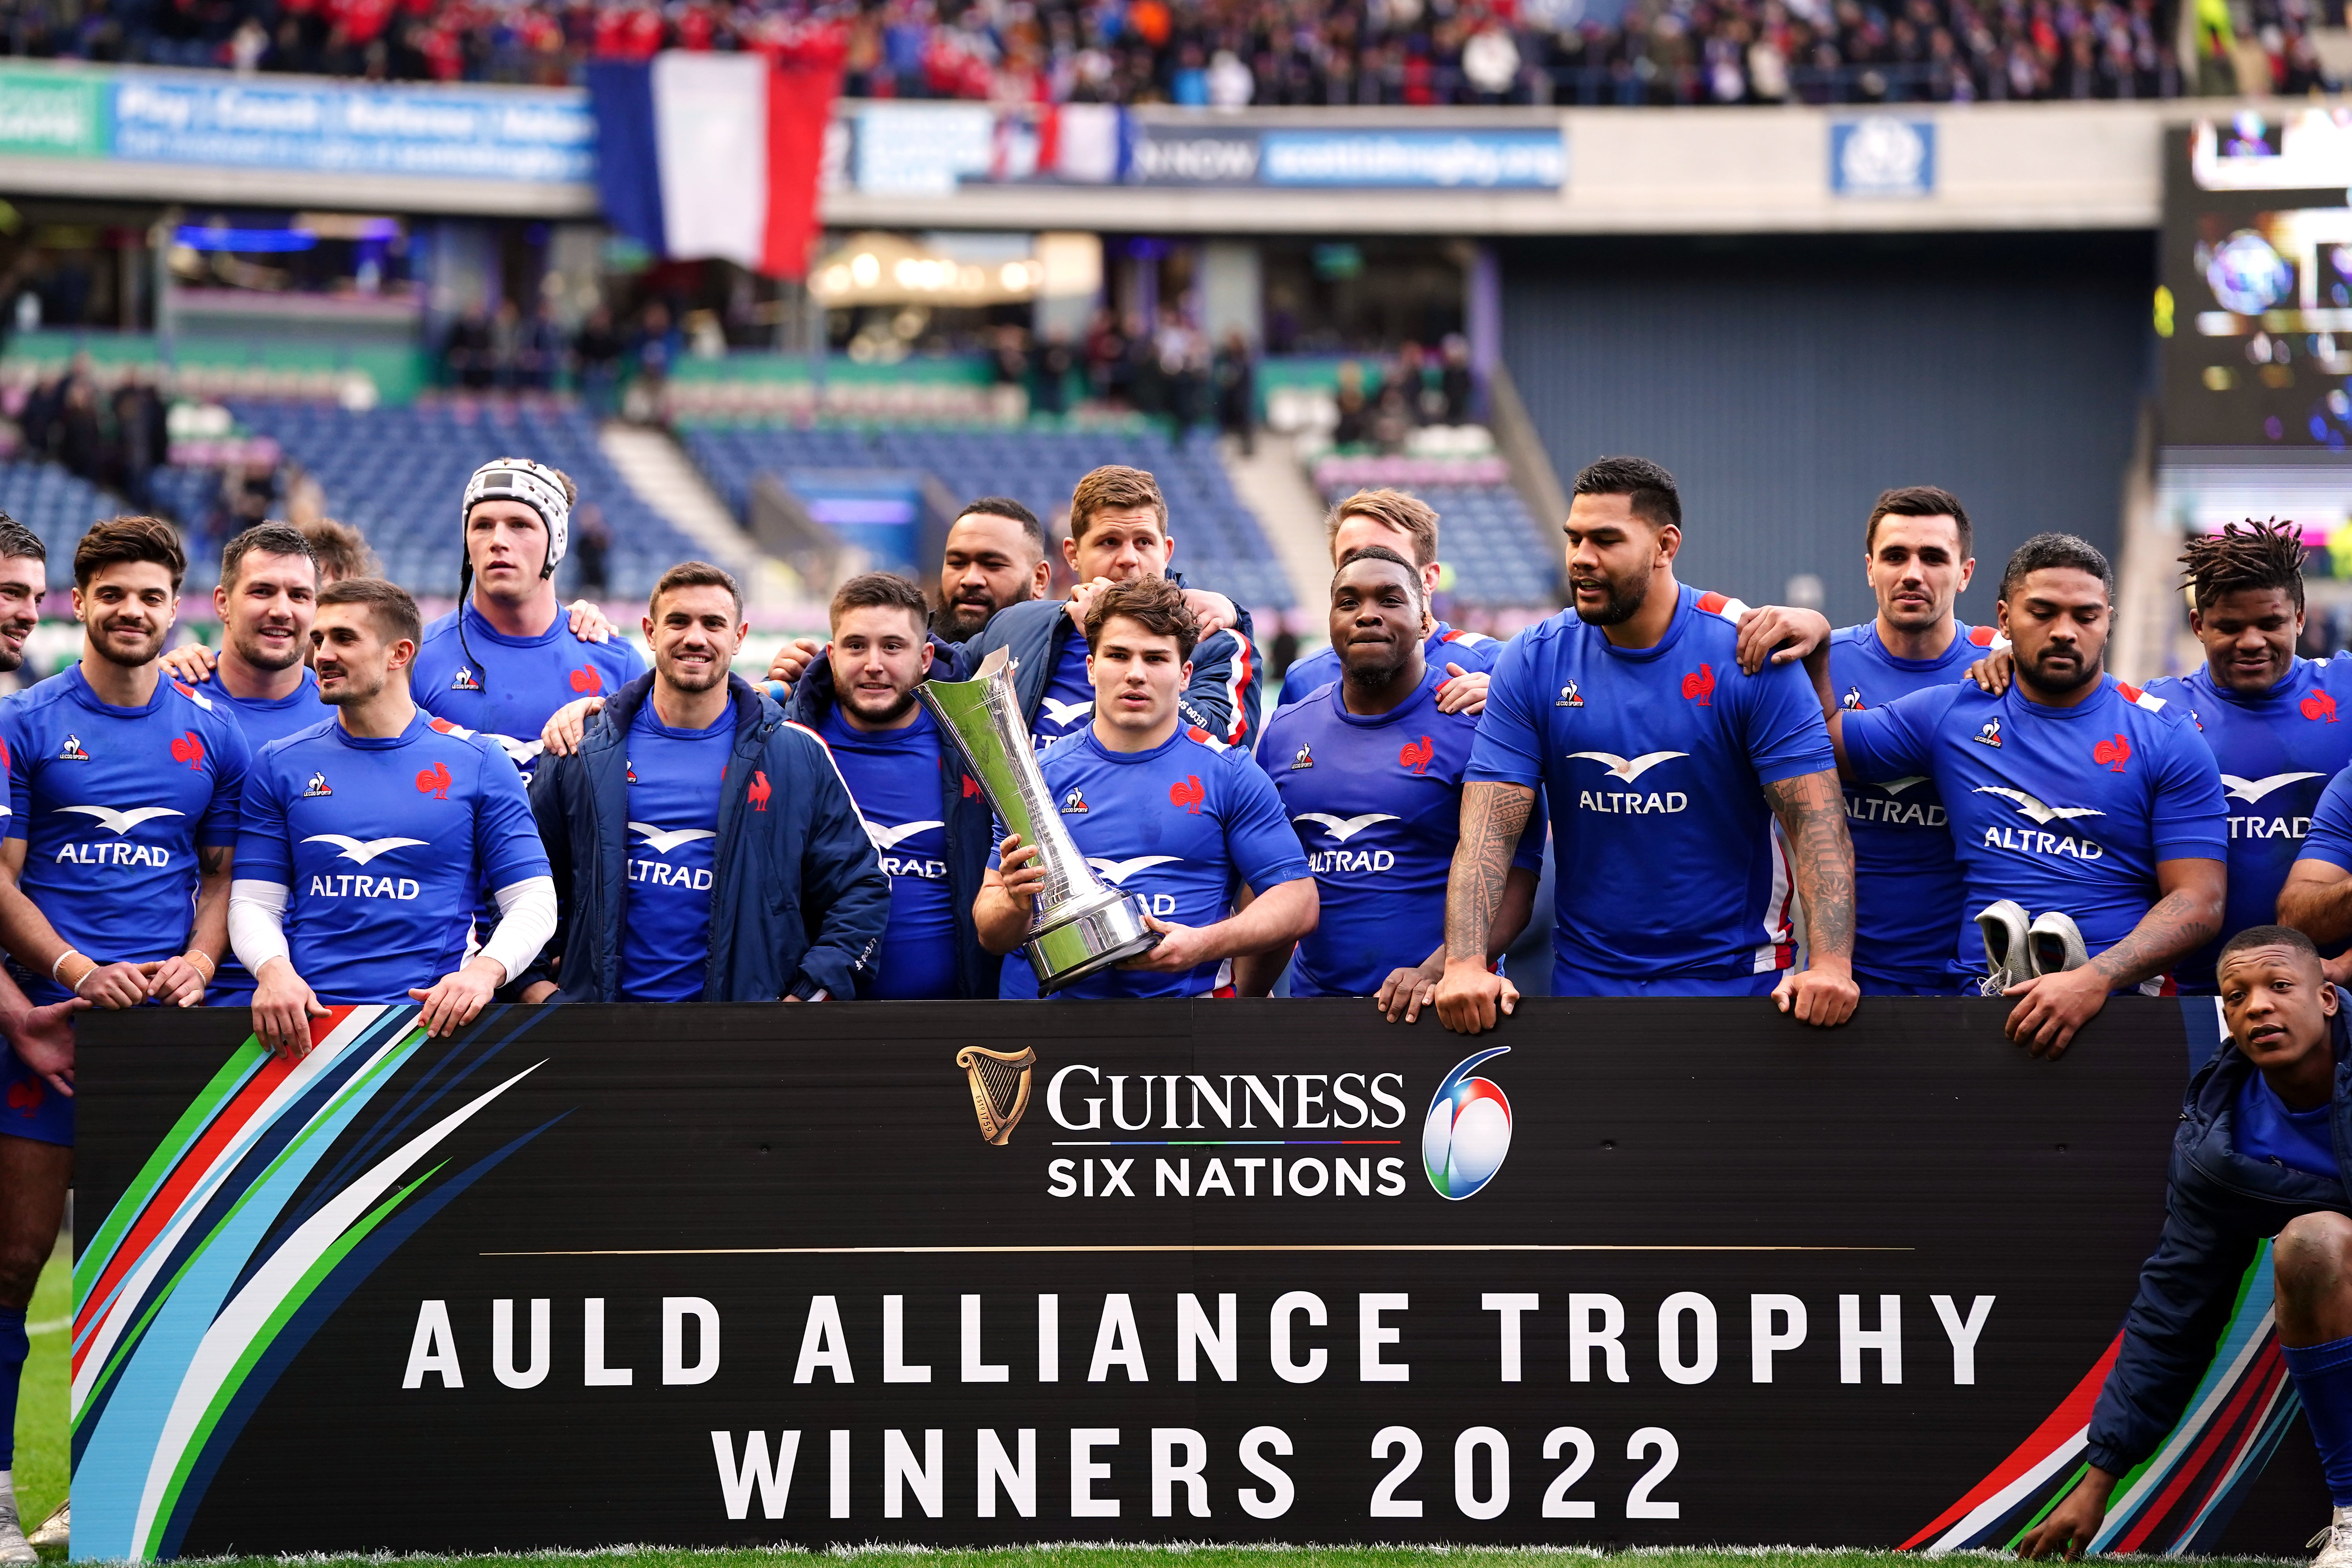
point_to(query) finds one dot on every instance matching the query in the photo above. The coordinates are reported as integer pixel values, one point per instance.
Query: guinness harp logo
(1000, 1087)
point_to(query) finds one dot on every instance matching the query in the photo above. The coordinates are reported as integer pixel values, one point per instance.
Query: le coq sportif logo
(1468, 1130)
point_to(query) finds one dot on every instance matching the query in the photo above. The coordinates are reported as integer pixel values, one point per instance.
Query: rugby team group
(345, 805)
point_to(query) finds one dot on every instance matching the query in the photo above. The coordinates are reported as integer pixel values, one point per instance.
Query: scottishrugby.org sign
(1623, 1271)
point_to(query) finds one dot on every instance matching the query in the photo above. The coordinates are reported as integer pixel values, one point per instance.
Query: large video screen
(2255, 306)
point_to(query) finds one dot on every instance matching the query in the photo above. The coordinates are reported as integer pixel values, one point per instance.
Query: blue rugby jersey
(1473, 651)
(1068, 704)
(1666, 863)
(894, 777)
(673, 779)
(509, 687)
(1181, 826)
(262, 721)
(386, 846)
(1376, 801)
(113, 805)
(2059, 809)
(1906, 894)
(2276, 751)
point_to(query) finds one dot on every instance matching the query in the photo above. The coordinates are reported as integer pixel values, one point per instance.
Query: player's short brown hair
(1920, 501)
(1409, 515)
(341, 550)
(127, 539)
(1152, 603)
(263, 539)
(880, 590)
(696, 574)
(1113, 488)
(388, 605)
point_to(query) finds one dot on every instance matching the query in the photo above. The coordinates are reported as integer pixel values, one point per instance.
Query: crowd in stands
(1229, 53)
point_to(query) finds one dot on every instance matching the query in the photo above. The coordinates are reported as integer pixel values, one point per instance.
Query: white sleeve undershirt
(257, 921)
(526, 920)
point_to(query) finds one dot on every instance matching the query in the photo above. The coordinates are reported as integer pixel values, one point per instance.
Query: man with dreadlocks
(2278, 725)
(503, 660)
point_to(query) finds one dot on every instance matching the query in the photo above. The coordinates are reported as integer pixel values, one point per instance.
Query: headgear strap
(536, 485)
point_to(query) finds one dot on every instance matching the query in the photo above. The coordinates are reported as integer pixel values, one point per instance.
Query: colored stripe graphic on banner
(232, 1245)
(2186, 1493)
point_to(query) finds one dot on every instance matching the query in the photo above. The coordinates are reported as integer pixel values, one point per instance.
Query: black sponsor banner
(1623, 1271)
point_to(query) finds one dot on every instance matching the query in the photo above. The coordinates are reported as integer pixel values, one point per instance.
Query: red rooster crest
(2114, 753)
(435, 781)
(970, 788)
(1188, 794)
(189, 749)
(758, 793)
(2319, 708)
(587, 681)
(1415, 755)
(1699, 684)
(25, 1094)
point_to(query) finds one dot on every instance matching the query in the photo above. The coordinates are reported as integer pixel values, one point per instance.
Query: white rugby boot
(57, 1529)
(2334, 1542)
(2055, 944)
(15, 1550)
(2003, 923)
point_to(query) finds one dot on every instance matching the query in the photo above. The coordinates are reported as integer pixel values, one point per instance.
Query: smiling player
(370, 838)
(1162, 810)
(928, 820)
(705, 849)
(1370, 769)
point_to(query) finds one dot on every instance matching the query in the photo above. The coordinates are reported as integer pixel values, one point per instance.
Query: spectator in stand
(468, 355)
(1234, 376)
(591, 547)
(595, 359)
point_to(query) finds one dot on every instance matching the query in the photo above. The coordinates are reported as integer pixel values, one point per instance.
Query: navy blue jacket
(798, 899)
(2219, 1205)
(1227, 679)
(969, 828)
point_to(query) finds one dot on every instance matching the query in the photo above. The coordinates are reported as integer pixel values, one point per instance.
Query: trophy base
(1089, 942)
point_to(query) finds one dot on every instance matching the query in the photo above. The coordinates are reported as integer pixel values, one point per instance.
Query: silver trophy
(1080, 925)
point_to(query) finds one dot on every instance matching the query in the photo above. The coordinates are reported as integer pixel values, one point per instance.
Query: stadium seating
(398, 474)
(1500, 558)
(54, 505)
(1219, 542)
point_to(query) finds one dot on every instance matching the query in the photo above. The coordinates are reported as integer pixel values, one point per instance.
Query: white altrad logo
(521, 752)
(2252, 790)
(1067, 714)
(121, 822)
(2033, 810)
(1118, 871)
(1343, 828)
(890, 838)
(360, 851)
(1630, 771)
(663, 842)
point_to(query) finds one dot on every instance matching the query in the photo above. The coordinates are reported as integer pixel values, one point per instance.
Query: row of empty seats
(1219, 542)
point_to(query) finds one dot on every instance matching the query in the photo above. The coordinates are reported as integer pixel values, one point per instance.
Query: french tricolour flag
(701, 155)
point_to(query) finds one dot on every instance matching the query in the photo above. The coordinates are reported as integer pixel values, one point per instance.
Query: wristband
(201, 962)
(61, 963)
(94, 967)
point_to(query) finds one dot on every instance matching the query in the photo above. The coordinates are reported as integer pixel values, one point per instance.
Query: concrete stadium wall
(1787, 381)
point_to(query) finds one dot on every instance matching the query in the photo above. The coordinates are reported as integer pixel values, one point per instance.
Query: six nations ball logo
(1468, 1130)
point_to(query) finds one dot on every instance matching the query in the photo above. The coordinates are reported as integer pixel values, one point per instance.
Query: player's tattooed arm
(1812, 812)
(1469, 997)
(1493, 817)
(2186, 918)
(2052, 1009)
